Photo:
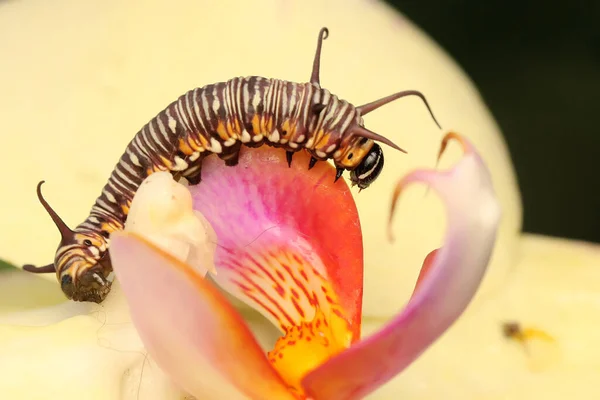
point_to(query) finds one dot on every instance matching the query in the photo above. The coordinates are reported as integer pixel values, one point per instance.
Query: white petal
(161, 211)
(97, 353)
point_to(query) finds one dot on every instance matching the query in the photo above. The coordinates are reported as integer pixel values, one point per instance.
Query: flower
(289, 244)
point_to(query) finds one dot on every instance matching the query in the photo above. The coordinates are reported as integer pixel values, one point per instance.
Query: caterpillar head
(358, 151)
(362, 157)
(82, 262)
(369, 168)
(83, 267)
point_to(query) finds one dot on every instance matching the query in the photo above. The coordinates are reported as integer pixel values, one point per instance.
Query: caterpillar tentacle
(218, 119)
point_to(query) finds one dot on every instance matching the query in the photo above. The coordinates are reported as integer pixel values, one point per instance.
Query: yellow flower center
(308, 345)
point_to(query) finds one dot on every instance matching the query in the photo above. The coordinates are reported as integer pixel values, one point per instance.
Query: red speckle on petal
(303, 274)
(298, 308)
(271, 300)
(280, 275)
(280, 290)
(338, 313)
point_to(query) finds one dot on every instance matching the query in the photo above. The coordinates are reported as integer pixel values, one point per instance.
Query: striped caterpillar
(218, 119)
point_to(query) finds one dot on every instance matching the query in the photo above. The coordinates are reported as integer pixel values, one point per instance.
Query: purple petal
(449, 281)
(289, 238)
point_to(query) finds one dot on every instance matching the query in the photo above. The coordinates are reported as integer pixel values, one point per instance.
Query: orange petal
(189, 328)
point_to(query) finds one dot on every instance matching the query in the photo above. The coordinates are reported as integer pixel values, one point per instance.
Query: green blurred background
(537, 65)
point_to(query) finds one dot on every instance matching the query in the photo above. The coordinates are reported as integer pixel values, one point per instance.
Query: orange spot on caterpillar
(285, 129)
(109, 227)
(221, 131)
(256, 128)
(203, 141)
(321, 139)
(166, 162)
(238, 126)
(185, 147)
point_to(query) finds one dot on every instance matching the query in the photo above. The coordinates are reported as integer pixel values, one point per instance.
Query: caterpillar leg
(288, 156)
(232, 156)
(232, 160)
(194, 174)
(312, 162)
(338, 173)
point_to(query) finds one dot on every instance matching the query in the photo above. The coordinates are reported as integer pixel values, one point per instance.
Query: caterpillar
(218, 119)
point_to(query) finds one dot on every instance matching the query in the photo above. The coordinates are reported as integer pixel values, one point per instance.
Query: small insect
(541, 348)
(514, 330)
(218, 119)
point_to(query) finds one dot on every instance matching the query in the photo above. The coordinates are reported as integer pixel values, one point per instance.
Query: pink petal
(280, 230)
(453, 274)
(189, 328)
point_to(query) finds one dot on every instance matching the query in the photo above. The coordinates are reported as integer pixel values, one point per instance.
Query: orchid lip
(279, 251)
